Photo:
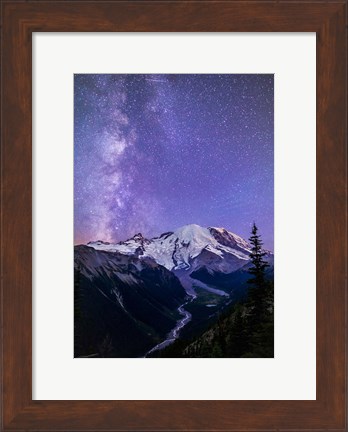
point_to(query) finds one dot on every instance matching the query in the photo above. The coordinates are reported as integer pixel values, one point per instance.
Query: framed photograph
(153, 151)
(173, 215)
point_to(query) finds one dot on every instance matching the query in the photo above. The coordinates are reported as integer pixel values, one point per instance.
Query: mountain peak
(228, 238)
(191, 226)
(188, 248)
(138, 237)
(191, 230)
(98, 242)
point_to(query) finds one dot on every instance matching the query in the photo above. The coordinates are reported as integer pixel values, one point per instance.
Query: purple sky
(155, 152)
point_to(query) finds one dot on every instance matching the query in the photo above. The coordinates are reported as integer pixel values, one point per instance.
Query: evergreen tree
(257, 294)
(260, 303)
(256, 256)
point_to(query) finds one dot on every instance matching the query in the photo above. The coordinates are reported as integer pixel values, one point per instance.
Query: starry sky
(155, 152)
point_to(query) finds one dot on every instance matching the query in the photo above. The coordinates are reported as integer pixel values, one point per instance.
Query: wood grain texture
(19, 21)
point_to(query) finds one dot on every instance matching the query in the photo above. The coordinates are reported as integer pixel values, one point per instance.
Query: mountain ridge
(178, 249)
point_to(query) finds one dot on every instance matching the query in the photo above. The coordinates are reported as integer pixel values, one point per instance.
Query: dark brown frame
(19, 20)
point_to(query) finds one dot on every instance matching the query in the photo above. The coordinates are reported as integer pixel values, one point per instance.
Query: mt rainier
(188, 248)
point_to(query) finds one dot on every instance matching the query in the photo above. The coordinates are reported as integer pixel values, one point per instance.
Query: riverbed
(174, 333)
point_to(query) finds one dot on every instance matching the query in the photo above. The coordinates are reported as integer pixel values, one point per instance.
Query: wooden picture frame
(19, 20)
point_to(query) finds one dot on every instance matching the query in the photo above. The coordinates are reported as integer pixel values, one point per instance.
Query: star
(155, 152)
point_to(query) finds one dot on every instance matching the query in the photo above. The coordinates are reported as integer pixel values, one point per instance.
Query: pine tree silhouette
(258, 279)
(258, 296)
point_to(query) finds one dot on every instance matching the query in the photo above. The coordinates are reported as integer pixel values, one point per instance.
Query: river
(187, 283)
(174, 333)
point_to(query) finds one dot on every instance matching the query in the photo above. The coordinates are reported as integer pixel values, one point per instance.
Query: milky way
(156, 152)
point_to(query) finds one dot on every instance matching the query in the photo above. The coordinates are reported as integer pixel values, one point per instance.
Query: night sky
(155, 152)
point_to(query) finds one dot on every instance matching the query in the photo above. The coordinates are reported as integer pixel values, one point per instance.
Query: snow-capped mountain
(129, 296)
(187, 248)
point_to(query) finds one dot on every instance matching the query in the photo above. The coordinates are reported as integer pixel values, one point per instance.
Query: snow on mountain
(187, 248)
